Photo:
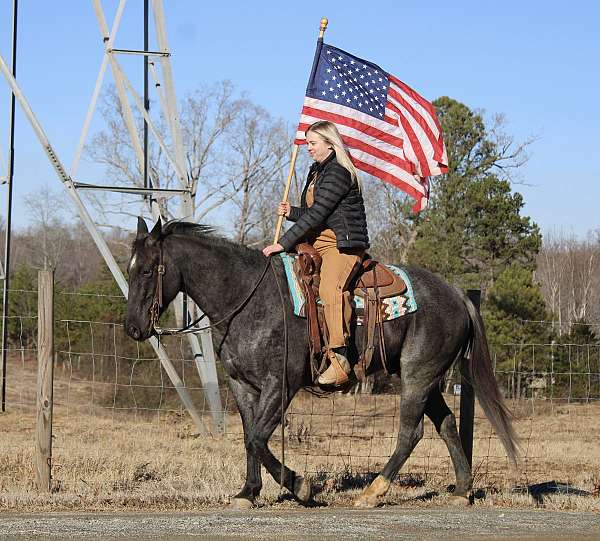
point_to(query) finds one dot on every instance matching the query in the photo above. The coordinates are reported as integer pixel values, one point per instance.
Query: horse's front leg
(268, 416)
(247, 400)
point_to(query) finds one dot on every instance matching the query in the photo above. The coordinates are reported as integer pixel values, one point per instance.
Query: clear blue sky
(536, 62)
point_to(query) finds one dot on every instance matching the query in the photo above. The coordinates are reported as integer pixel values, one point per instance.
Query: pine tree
(474, 228)
(515, 317)
(575, 369)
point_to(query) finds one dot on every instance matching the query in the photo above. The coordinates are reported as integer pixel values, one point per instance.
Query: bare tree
(569, 273)
(583, 265)
(260, 151)
(47, 236)
(550, 272)
(391, 229)
(267, 199)
(206, 120)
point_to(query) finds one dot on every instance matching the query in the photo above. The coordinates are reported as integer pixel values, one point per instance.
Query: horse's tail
(479, 371)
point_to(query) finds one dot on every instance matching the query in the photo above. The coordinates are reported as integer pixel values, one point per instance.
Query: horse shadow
(342, 482)
(348, 480)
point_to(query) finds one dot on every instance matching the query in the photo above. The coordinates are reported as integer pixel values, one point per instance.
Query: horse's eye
(147, 272)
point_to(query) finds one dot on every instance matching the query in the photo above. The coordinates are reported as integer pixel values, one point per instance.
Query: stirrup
(337, 374)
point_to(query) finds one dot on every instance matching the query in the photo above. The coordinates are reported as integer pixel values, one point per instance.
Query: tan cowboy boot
(337, 372)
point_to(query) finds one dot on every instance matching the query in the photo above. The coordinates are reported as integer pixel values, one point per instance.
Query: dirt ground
(323, 524)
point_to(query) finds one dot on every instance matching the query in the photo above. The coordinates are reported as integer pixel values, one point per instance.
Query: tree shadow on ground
(537, 491)
(342, 482)
(540, 490)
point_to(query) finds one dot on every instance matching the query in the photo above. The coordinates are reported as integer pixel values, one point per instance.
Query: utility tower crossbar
(143, 53)
(102, 187)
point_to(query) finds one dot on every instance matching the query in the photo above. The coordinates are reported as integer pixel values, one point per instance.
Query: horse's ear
(142, 229)
(156, 232)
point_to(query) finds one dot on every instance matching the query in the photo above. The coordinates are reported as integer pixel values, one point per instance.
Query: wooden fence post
(45, 380)
(467, 397)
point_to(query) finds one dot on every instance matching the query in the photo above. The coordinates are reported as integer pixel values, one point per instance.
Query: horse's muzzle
(133, 331)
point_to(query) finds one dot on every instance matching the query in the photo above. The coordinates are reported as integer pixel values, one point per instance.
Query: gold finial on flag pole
(322, 27)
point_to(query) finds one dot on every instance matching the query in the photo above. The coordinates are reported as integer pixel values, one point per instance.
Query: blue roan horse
(420, 347)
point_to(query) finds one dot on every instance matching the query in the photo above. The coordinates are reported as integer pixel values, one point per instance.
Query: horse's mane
(178, 227)
(205, 233)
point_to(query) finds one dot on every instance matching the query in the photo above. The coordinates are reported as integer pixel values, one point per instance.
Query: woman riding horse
(253, 341)
(331, 217)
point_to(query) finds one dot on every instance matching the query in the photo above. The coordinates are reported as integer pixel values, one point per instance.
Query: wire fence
(103, 379)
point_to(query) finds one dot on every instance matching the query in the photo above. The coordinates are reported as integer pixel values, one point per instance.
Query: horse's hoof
(370, 495)
(459, 501)
(240, 504)
(302, 489)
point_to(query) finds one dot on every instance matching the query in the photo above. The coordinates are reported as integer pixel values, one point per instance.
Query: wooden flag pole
(286, 193)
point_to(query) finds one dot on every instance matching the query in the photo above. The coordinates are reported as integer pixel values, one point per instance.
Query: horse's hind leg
(445, 423)
(247, 400)
(411, 432)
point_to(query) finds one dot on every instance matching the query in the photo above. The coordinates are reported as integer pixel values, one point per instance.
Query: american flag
(391, 131)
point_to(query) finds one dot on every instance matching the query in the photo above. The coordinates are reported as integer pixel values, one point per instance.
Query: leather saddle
(372, 281)
(375, 275)
(371, 274)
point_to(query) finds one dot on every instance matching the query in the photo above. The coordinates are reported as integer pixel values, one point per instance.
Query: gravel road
(323, 524)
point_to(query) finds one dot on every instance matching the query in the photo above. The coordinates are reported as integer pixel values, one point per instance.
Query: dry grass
(105, 458)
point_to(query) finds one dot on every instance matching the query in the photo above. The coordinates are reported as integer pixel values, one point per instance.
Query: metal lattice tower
(201, 343)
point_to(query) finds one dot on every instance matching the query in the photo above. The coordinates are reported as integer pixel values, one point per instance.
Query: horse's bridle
(157, 302)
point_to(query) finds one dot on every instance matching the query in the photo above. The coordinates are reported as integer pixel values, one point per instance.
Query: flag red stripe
(347, 130)
(418, 98)
(356, 124)
(425, 151)
(414, 140)
(418, 118)
(437, 142)
(376, 157)
(412, 180)
(365, 146)
(387, 177)
(427, 112)
(378, 153)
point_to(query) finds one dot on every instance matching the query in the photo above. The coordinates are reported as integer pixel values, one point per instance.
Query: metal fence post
(8, 228)
(45, 379)
(467, 397)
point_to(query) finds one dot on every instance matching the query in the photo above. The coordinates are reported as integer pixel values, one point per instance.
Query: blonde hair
(330, 134)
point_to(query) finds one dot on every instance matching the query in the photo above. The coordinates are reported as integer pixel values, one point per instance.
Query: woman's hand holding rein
(272, 249)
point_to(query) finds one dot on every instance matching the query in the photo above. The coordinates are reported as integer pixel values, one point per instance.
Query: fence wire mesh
(112, 398)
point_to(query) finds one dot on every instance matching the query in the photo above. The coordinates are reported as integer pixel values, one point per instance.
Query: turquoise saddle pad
(394, 306)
